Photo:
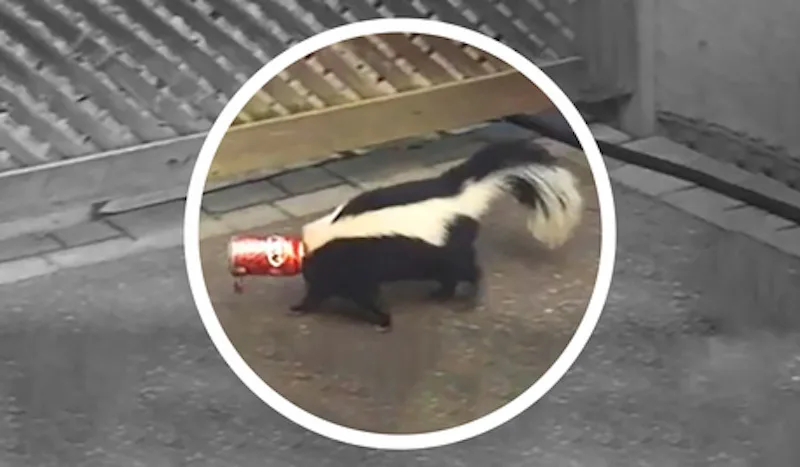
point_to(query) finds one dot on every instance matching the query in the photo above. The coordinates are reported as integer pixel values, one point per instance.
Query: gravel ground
(442, 365)
(696, 361)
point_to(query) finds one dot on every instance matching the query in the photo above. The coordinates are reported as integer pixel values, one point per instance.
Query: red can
(273, 255)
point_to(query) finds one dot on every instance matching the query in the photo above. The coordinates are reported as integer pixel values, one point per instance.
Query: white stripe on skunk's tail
(532, 175)
(426, 209)
(552, 193)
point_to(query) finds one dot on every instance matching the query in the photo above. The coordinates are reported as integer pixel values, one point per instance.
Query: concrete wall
(735, 63)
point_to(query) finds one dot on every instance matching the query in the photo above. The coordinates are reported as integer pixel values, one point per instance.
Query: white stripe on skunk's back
(426, 220)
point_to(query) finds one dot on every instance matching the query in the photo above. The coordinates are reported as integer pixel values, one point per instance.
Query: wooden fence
(103, 99)
(370, 90)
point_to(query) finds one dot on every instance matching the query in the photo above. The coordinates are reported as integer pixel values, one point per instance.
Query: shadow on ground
(442, 365)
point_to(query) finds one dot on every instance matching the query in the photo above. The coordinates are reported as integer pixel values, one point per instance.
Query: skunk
(425, 230)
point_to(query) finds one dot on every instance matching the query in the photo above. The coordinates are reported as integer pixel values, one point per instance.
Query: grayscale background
(104, 360)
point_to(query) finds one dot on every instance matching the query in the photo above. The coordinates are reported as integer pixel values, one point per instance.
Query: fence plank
(455, 55)
(378, 61)
(205, 65)
(59, 103)
(147, 97)
(42, 128)
(452, 105)
(422, 62)
(331, 60)
(82, 79)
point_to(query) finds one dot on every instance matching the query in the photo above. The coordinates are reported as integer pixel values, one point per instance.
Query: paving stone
(664, 148)
(116, 248)
(446, 150)
(401, 143)
(721, 170)
(106, 250)
(248, 218)
(318, 201)
(26, 268)
(370, 166)
(553, 119)
(417, 174)
(141, 222)
(26, 245)
(648, 181)
(494, 131)
(52, 221)
(137, 202)
(603, 132)
(241, 196)
(752, 221)
(164, 238)
(467, 129)
(787, 241)
(85, 233)
(384, 163)
(212, 227)
(305, 180)
(701, 202)
(255, 175)
(613, 164)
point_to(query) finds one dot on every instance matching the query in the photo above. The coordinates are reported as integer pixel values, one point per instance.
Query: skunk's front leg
(301, 308)
(311, 300)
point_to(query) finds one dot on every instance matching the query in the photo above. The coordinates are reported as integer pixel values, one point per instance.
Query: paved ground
(439, 367)
(109, 365)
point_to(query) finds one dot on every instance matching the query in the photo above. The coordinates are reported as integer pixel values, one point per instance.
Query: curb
(40, 247)
(659, 154)
(720, 194)
(265, 202)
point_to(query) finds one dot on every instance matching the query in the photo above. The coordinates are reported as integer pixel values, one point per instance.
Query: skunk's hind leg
(472, 274)
(458, 260)
(460, 266)
(446, 289)
(447, 274)
(367, 298)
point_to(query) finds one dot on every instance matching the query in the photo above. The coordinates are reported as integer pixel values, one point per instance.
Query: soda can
(272, 255)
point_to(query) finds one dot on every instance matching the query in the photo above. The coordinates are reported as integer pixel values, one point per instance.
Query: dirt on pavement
(441, 365)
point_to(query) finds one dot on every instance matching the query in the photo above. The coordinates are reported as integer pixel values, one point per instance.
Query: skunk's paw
(384, 323)
(298, 309)
(442, 294)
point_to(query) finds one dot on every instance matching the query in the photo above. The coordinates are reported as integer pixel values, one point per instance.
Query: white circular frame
(350, 435)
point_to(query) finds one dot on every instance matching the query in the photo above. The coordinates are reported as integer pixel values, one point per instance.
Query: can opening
(231, 264)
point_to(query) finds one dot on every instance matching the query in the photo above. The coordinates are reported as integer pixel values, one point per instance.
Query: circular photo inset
(379, 254)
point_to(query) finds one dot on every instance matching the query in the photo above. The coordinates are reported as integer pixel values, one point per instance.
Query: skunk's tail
(533, 176)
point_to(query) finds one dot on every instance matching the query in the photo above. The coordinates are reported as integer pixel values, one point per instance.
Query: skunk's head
(316, 233)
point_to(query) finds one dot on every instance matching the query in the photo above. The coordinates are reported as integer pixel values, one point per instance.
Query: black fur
(355, 268)
(498, 156)
(484, 162)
